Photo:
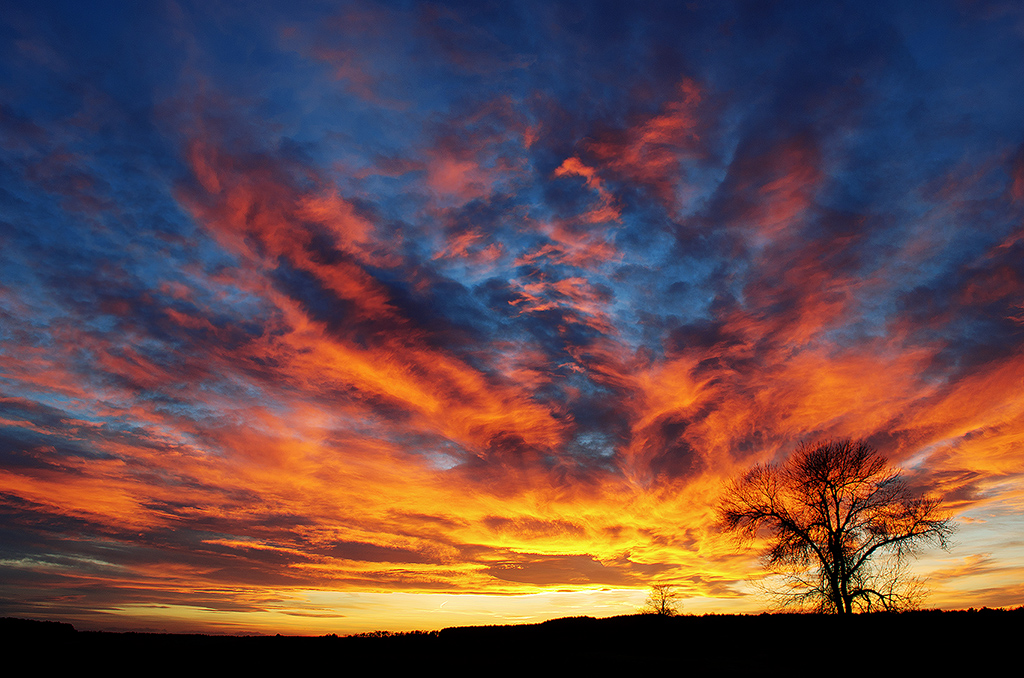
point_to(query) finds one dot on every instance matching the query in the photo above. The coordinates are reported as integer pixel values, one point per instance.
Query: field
(978, 641)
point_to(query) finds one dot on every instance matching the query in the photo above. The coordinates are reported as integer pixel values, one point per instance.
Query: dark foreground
(878, 644)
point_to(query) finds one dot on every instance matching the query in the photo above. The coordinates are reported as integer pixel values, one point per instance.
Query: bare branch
(843, 524)
(662, 600)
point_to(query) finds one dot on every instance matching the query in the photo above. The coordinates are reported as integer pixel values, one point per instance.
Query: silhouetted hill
(974, 640)
(12, 627)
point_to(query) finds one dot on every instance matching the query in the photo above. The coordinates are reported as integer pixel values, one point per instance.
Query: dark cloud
(579, 570)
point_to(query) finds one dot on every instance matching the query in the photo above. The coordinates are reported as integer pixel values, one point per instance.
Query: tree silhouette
(663, 599)
(842, 525)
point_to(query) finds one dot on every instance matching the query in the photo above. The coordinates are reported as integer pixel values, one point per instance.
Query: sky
(326, 317)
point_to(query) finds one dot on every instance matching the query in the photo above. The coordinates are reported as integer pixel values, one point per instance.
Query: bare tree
(842, 525)
(663, 599)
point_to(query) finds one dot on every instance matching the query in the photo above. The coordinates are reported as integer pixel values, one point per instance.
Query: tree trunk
(837, 593)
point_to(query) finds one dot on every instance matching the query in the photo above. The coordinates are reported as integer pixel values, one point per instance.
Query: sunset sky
(325, 317)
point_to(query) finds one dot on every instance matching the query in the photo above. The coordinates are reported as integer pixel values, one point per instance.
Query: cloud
(487, 300)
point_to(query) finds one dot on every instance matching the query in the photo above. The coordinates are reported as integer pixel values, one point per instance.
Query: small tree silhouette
(842, 526)
(663, 599)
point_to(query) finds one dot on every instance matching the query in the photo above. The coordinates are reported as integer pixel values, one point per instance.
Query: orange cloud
(650, 152)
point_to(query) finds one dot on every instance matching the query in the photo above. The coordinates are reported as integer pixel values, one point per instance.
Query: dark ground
(975, 642)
